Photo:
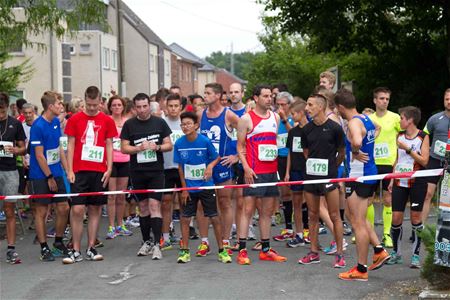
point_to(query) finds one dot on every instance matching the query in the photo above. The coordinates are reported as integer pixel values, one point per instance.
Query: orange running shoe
(242, 258)
(379, 260)
(354, 274)
(203, 249)
(271, 255)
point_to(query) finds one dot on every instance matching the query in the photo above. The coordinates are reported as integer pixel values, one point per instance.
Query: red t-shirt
(90, 140)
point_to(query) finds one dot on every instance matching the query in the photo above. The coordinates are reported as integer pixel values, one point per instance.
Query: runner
(360, 139)
(196, 157)
(47, 159)
(413, 153)
(323, 146)
(145, 138)
(89, 160)
(120, 173)
(385, 154)
(12, 144)
(257, 148)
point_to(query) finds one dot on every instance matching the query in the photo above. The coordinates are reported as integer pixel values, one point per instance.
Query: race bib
(92, 153)
(116, 144)
(52, 156)
(297, 144)
(194, 172)
(217, 147)
(439, 148)
(317, 167)
(3, 151)
(63, 142)
(403, 168)
(267, 152)
(281, 140)
(381, 150)
(146, 156)
(175, 135)
(234, 135)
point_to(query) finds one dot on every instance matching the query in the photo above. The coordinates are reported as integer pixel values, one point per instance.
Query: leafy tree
(223, 60)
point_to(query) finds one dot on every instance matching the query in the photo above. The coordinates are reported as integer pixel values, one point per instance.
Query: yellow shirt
(385, 151)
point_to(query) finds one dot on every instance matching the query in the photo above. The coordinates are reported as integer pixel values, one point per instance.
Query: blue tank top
(355, 167)
(282, 138)
(239, 113)
(215, 129)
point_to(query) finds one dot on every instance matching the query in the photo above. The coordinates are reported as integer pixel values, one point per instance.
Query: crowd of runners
(166, 141)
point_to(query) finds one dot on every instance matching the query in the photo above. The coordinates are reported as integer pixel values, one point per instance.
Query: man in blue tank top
(359, 145)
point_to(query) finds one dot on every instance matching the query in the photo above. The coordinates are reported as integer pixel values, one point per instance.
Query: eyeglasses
(186, 124)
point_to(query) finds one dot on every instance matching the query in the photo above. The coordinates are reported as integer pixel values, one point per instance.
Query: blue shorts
(296, 176)
(222, 173)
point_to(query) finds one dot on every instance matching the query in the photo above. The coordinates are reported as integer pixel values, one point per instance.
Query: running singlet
(385, 149)
(261, 144)
(194, 157)
(282, 136)
(437, 127)
(217, 132)
(118, 156)
(176, 134)
(47, 135)
(239, 113)
(356, 167)
(405, 162)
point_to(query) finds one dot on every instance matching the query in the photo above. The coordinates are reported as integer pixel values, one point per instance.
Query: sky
(203, 26)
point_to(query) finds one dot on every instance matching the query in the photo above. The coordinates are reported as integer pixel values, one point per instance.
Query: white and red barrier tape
(422, 173)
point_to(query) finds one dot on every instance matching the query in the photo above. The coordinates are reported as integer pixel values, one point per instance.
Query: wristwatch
(408, 151)
(49, 176)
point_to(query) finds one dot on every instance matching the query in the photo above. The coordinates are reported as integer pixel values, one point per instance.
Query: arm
(166, 145)
(126, 148)
(243, 128)
(63, 158)
(288, 167)
(341, 156)
(210, 167)
(377, 128)
(184, 194)
(356, 134)
(18, 149)
(422, 158)
(70, 151)
(40, 157)
(109, 161)
(232, 121)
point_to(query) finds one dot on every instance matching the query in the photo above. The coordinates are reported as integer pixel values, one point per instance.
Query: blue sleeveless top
(282, 138)
(239, 113)
(217, 132)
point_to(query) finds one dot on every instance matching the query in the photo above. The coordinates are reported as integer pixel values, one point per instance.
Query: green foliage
(241, 61)
(437, 276)
(10, 77)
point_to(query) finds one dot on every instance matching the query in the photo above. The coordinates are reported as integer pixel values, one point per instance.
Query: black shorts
(434, 163)
(171, 179)
(320, 189)
(208, 200)
(88, 181)
(362, 190)
(238, 172)
(263, 191)
(416, 194)
(296, 176)
(120, 169)
(40, 186)
(148, 180)
(384, 169)
(282, 162)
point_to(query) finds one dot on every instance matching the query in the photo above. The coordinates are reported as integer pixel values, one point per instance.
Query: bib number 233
(267, 152)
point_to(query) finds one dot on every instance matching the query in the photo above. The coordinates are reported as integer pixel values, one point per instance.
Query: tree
(21, 19)
(223, 60)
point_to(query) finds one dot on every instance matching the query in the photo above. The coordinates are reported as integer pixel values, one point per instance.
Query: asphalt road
(123, 275)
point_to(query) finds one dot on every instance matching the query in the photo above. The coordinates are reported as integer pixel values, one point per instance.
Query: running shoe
(274, 221)
(224, 257)
(192, 234)
(306, 236)
(59, 250)
(12, 257)
(111, 233)
(203, 249)
(310, 258)
(251, 233)
(415, 262)
(227, 246)
(146, 249)
(235, 247)
(347, 229)
(296, 242)
(51, 233)
(176, 215)
(387, 241)
(354, 274)
(395, 259)
(322, 229)
(165, 245)
(72, 257)
(278, 218)
(339, 261)
(332, 249)
(286, 234)
(3, 217)
(98, 244)
(257, 246)
(93, 255)
(242, 258)
(184, 256)
(104, 211)
(271, 255)
(157, 255)
(46, 255)
(132, 222)
(123, 231)
(379, 259)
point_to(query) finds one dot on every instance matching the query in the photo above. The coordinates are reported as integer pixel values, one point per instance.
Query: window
(16, 49)
(114, 60)
(167, 67)
(85, 49)
(105, 58)
(73, 49)
(152, 63)
(195, 71)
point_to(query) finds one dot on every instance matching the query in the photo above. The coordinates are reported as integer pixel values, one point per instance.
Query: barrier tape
(414, 174)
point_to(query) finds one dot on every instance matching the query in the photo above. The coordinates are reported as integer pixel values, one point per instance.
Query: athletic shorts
(9, 184)
(88, 181)
(320, 189)
(120, 169)
(384, 169)
(171, 179)
(263, 191)
(238, 173)
(147, 180)
(282, 162)
(208, 200)
(416, 194)
(362, 190)
(40, 186)
(296, 176)
(434, 163)
(222, 173)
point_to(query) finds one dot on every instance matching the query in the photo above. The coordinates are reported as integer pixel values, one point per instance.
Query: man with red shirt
(89, 155)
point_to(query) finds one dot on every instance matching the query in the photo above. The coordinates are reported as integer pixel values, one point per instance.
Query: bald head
(236, 92)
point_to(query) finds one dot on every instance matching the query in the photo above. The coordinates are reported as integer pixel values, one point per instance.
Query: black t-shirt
(136, 131)
(322, 143)
(294, 145)
(14, 132)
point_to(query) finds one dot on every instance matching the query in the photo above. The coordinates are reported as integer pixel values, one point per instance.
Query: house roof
(238, 79)
(186, 55)
(207, 67)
